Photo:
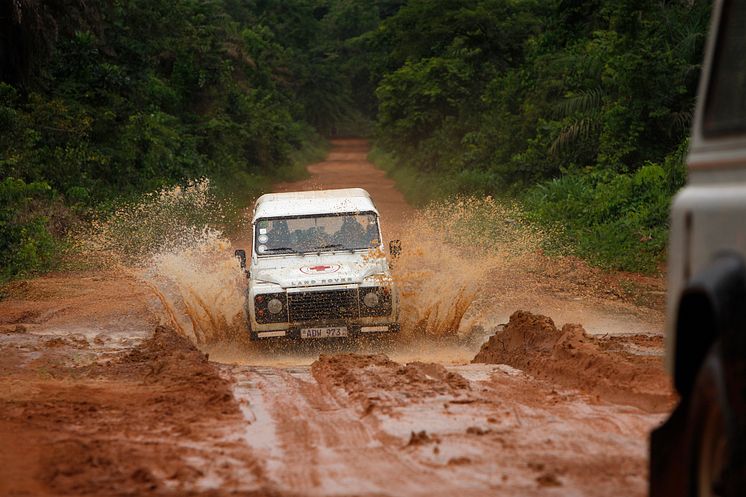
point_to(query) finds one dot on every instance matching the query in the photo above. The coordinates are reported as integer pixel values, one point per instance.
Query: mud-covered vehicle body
(317, 267)
(701, 449)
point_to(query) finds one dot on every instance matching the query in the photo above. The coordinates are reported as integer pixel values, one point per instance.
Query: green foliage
(115, 99)
(102, 101)
(618, 221)
(527, 89)
(422, 187)
(497, 96)
(26, 243)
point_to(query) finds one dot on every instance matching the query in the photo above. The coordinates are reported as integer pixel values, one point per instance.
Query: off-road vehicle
(318, 267)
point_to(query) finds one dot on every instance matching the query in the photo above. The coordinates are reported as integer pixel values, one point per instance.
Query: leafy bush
(618, 221)
(27, 244)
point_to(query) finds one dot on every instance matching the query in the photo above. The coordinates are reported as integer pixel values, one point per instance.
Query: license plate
(339, 331)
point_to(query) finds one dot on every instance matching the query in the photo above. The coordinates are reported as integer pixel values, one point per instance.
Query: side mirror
(241, 254)
(395, 248)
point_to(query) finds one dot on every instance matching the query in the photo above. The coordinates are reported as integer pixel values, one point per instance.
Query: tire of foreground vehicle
(709, 448)
(700, 451)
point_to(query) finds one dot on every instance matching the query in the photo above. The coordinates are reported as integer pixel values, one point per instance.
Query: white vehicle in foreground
(317, 267)
(700, 451)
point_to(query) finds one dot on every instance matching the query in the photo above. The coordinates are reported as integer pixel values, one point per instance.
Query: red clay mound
(571, 358)
(145, 422)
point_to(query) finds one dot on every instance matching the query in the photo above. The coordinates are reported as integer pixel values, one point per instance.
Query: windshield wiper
(287, 249)
(331, 246)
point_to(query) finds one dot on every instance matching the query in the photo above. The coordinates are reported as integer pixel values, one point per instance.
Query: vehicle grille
(327, 305)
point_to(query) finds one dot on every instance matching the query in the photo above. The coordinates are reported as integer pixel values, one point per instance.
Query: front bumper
(353, 330)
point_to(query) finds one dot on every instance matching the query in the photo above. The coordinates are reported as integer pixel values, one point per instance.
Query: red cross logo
(321, 268)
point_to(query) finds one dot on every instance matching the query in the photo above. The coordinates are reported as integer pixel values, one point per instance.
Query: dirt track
(93, 402)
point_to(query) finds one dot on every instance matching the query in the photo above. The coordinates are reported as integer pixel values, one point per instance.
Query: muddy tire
(708, 429)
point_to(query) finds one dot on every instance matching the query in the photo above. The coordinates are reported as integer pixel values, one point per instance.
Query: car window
(347, 231)
(725, 107)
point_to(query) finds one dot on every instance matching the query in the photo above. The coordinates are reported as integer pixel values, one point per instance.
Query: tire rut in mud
(376, 382)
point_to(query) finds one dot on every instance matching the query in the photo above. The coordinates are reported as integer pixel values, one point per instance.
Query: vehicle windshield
(317, 233)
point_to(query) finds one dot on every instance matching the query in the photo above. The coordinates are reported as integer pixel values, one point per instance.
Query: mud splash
(450, 251)
(172, 241)
(200, 288)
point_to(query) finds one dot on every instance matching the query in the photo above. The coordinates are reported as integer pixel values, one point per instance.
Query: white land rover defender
(317, 267)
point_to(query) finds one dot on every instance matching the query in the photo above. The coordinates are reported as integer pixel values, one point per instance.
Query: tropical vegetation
(579, 109)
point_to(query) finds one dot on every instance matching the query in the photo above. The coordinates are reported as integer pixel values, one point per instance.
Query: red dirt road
(346, 166)
(93, 401)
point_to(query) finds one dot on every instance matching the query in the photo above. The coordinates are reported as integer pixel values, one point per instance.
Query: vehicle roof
(313, 202)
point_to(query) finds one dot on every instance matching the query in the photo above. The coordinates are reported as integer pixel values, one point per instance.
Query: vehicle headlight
(371, 299)
(274, 306)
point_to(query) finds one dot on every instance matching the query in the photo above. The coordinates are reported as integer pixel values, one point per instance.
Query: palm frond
(571, 134)
(680, 121)
(586, 101)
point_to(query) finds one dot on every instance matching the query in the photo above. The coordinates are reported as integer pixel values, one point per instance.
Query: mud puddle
(288, 353)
